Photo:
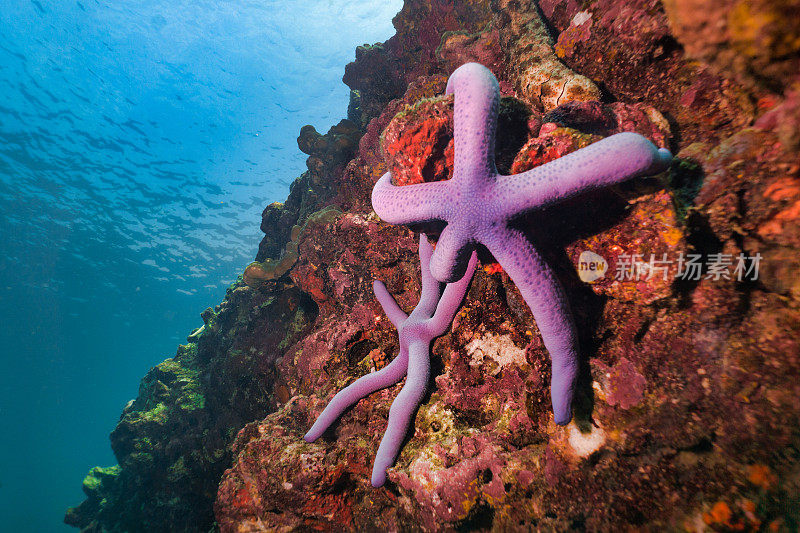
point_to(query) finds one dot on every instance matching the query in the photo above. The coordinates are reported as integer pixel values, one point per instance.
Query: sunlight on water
(163, 129)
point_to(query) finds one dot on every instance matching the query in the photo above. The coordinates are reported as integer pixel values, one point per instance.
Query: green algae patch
(97, 477)
(299, 323)
(192, 401)
(177, 470)
(157, 415)
(172, 383)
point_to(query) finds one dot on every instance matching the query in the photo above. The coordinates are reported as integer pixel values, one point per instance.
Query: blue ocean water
(139, 142)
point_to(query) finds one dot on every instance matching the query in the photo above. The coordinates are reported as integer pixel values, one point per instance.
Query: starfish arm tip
(563, 420)
(659, 159)
(664, 158)
(378, 477)
(562, 386)
(562, 392)
(315, 431)
(396, 315)
(612, 160)
(418, 202)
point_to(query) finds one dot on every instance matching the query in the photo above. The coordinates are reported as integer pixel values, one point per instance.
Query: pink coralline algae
(477, 205)
(429, 319)
(623, 385)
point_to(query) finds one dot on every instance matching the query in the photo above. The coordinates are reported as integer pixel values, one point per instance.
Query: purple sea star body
(478, 203)
(429, 319)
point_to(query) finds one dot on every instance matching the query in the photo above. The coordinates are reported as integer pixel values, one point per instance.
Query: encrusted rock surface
(173, 441)
(756, 41)
(687, 412)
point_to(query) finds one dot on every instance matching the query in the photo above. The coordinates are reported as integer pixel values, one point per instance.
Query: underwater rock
(258, 274)
(313, 190)
(539, 76)
(551, 143)
(460, 47)
(629, 49)
(173, 441)
(418, 142)
(756, 41)
(374, 79)
(310, 486)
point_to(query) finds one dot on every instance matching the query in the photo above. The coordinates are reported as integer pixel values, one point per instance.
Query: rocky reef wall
(687, 412)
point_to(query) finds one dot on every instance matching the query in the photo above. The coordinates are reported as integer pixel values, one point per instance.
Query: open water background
(139, 142)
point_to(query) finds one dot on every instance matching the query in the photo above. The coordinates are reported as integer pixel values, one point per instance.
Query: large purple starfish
(478, 203)
(429, 319)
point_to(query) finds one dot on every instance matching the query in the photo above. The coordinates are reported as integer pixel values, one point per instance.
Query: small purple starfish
(429, 319)
(478, 203)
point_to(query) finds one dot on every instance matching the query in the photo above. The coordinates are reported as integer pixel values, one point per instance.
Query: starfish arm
(612, 160)
(451, 255)
(402, 410)
(545, 297)
(390, 307)
(419, 202)
(431, 290)
(363, 386)
(477, 101)
(451, 300)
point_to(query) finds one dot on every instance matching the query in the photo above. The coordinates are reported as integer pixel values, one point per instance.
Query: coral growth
(257, 274)
(539, 75)
(429, 319)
